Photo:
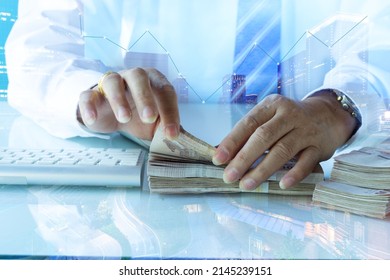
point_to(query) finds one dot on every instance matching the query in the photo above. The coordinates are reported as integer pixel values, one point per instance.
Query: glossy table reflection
(112, 223)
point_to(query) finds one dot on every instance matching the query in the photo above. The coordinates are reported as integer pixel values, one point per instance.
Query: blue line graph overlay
(256, 46)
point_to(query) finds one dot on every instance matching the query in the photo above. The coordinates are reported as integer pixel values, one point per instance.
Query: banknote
(359, 182)
(184, 165)
(367, 167)
(185, 147)
(352, 199)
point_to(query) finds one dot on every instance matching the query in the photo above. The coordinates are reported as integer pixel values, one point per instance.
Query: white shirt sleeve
(47, 69)
(362, 71)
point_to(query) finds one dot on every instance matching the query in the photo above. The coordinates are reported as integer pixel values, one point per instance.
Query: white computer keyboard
(87, 166)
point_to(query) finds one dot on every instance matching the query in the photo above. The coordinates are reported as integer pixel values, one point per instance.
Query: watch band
(348, 105)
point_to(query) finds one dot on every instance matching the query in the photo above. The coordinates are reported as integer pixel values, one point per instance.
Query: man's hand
(134, 101)
(311, 129)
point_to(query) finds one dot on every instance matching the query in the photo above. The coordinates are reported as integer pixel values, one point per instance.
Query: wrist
(346, 114)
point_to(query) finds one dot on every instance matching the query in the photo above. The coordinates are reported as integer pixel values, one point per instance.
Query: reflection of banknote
(185, 165)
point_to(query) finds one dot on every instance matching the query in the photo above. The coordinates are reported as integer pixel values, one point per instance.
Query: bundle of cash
(184, 165)
(359, 183)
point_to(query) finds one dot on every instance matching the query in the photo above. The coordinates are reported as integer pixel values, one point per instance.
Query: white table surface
(100, 223)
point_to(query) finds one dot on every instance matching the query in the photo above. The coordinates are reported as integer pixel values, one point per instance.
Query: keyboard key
(108, 162)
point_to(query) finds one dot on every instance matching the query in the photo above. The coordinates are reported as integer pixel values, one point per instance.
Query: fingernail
(148, 115)
(287, 182)
(248, 184)
(123, 115)
(171, 131)
(230, 175)
(221, 156)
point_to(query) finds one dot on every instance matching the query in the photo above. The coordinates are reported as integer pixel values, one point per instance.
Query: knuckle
(159, 81)
(164, 87)
(272, 98)
(292, 109)
(316, 153)
(136, 72)
(284, 103)
(284, 151)
(167, 88)
(154, 71)
(263, 134)
(250, 122)
(113, 77)
(112, 81)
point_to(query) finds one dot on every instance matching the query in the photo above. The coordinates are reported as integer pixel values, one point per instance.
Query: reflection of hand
(134, 101)
(311, 129)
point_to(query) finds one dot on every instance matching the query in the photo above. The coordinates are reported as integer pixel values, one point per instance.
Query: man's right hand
(133, 101)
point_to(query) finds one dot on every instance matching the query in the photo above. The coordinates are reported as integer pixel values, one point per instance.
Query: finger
(139, 86)
(243, 130)
(284, 150)
(308, 160)
(262, 139)
(96, 113)
(167, 104)
(258, 143)
(87, 108)
(115, 92)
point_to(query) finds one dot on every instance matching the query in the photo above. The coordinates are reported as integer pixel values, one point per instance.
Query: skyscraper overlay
(257, 50)
(8, 15)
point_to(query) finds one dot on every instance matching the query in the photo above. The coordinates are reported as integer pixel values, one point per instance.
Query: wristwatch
(348, 105)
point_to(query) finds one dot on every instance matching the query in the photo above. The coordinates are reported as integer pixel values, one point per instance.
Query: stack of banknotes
(185, 166)
(359, 183)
